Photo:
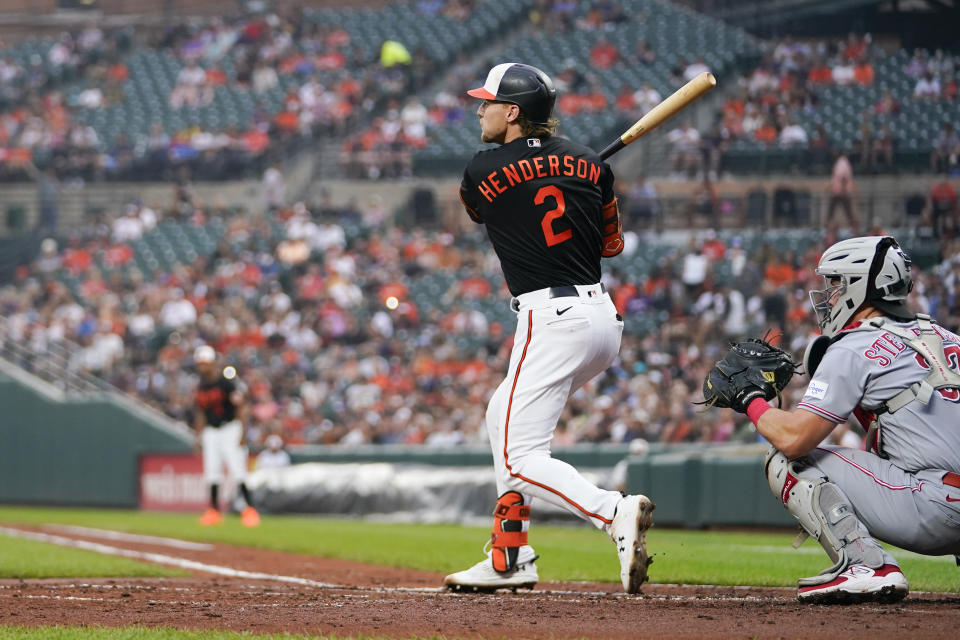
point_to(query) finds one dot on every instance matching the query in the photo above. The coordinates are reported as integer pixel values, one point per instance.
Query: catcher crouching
(896, 373)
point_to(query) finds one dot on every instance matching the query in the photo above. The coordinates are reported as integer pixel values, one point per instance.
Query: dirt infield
(310, 595)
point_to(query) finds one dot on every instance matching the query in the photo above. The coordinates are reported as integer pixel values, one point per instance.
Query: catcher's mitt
(751, 369)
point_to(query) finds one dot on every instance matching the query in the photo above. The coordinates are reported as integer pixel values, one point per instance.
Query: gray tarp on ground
(414, 493)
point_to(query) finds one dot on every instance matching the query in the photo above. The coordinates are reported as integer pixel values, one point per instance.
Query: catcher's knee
(821, 508)
(509, 517)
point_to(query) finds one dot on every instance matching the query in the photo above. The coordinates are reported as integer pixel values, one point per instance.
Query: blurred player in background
(274, 455)
(219, 426)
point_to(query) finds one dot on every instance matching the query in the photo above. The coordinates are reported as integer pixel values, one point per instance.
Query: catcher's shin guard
(823, 512)
(508, 534)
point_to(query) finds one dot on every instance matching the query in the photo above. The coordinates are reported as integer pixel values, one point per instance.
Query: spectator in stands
(643, 54)
(713, 146)
(819, 151)
(705, 204)
(646, 98)
(883, 150)
(694, 69)
(843, 72)
(793, 135)
(90, 98)
(685, 156)
(927, 88)
(820, 73)
(129, 226)
(642, 206)
(856, 47)
(191, 87)
(604, 54)
(766, 133)
(940, 64)
(944, 210)
(951, 87)
(414, 118)
(274, 188)
(695, 269)
(863, 148)
(946, 150)
(264, 78)
(570, 79)
(842, 191)
(753, 119)
(863, 72)
(886, 106)
(918, 65)
(178, 312)
(274, 456)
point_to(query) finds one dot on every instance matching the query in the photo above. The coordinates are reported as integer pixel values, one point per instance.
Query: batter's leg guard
(824, 512)
(508, 534)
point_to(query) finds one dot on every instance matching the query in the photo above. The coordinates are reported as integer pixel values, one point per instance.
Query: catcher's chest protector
(929, 345)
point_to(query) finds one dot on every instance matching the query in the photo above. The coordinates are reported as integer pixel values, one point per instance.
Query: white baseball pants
(560, 344)
(221, 447)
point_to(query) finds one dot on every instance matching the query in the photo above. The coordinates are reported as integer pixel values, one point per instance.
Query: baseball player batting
(894, 371)
(551, 215)
(219, 428)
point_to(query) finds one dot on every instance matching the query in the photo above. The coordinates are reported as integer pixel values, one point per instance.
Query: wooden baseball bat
(678, 100)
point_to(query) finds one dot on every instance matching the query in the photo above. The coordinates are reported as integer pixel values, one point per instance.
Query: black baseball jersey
(213, 398)
(541, 200)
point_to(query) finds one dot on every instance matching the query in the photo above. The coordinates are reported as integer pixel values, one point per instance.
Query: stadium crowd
(318, 309)
(327, 84)
(785, 89)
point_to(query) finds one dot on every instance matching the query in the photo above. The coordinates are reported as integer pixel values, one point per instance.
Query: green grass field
(569, 553)
(29, 559)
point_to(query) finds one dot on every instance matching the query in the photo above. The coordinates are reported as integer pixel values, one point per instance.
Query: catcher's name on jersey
(867, 367)
(888, 346)
(547, 166)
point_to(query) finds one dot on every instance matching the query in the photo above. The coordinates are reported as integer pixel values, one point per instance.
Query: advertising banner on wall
(172, 483)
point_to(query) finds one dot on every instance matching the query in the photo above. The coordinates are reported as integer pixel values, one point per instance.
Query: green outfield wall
(77, 451)
(74, 451)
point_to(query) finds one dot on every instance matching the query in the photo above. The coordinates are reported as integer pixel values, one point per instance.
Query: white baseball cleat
(628, 530)
(483, 577)
(858, 583)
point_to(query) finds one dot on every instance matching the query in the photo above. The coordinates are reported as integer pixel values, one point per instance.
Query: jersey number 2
(557, 212)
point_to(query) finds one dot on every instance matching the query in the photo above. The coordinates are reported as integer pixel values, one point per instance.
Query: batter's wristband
(756, 408)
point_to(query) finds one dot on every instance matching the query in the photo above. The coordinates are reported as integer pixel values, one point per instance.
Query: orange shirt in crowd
(863, 73)
(779, 274)
(604, 55)
(820, 75)
(766, 134)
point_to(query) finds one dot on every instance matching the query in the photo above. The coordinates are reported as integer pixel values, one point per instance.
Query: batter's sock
(245, 493)
(214, 492)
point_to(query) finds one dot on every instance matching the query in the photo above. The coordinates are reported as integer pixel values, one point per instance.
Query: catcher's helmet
(872, 269)
(527, 87)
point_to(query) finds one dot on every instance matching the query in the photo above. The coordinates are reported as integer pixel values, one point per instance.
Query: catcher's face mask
(824, 299)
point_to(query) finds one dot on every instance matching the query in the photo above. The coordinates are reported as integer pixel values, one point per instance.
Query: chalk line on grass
(106, 534)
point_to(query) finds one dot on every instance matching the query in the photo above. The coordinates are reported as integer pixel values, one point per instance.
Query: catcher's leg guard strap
(508, 530)
(824, 512)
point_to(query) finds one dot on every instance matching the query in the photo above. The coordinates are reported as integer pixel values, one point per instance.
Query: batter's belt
(592, 291)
